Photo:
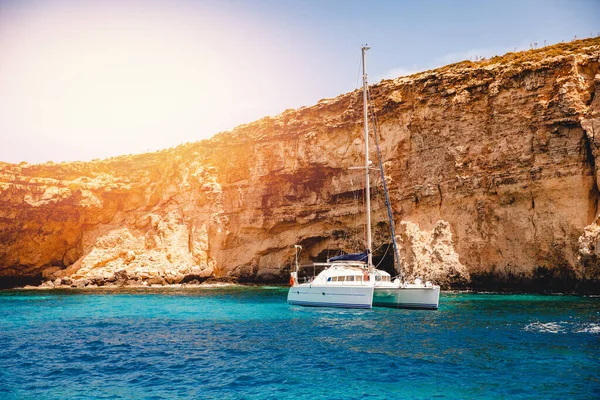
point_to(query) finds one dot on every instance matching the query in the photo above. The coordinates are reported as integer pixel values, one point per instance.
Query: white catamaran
(351, 280)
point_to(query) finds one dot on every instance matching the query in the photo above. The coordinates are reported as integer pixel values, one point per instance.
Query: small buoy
(292, 281)
(366, 274)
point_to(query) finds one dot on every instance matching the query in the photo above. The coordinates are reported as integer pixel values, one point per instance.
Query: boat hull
(407, 297)
(331, 296)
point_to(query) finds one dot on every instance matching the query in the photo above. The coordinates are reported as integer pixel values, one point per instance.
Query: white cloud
(471, 54)
(449, 58)
(397, 72)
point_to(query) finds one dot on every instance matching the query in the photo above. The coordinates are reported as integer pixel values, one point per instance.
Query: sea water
(247, 343)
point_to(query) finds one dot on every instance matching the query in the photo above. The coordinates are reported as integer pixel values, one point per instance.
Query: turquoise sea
(247, 343)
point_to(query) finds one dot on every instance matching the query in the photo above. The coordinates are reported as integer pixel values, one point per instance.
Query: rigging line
(384, 254)
(383, 181)
(363, 195)
(380, 246)
(337, 202)
(355, 209)
(358, 219)
(358, 74)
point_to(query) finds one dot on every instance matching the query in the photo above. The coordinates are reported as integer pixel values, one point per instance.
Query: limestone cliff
(502, 152)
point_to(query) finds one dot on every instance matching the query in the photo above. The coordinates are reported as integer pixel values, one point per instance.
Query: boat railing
(308, 272)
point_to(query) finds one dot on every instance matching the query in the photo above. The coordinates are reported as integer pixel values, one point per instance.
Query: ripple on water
(240, 343)
(563, 327)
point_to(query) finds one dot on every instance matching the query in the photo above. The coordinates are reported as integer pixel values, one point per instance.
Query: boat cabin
(350, 274)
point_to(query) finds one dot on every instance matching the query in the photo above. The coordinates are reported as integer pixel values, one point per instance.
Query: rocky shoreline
(204, 285)
(120, 281)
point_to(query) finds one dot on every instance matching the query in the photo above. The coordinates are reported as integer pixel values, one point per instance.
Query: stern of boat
(408, 296)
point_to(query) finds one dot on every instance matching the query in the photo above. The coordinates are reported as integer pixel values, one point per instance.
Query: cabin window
(359, 278)
(350, 278)
(329, 279)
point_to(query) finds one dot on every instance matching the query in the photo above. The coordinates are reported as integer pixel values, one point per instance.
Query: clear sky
(84, 79)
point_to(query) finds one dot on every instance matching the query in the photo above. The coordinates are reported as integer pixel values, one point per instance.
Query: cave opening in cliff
(590, 160)
(384, 259)
(12, 282)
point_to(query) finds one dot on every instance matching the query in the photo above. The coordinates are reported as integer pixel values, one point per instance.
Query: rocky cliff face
(491, 168)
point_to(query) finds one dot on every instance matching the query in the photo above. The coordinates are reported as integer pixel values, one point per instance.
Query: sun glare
(118, 81)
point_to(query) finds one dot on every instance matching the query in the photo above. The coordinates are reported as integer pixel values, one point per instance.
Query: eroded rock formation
(503, 150)
(430, 254)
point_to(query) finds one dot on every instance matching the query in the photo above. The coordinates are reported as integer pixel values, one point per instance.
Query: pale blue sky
(98, 78)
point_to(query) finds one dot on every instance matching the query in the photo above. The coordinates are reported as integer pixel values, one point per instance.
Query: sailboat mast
(367, 161)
